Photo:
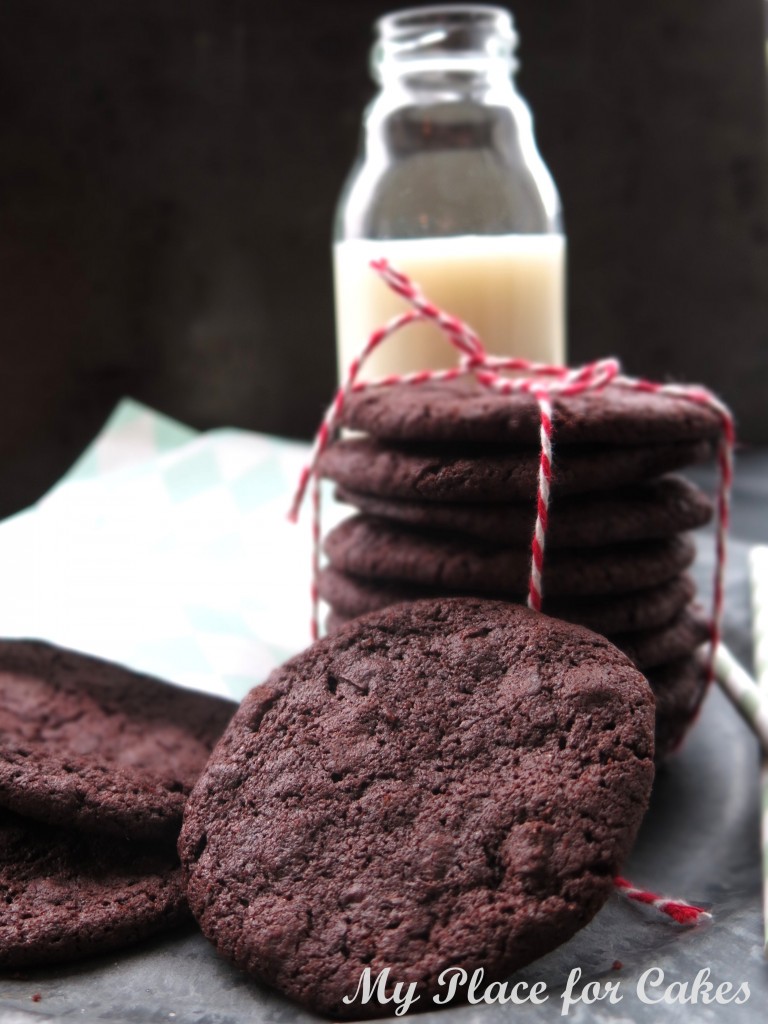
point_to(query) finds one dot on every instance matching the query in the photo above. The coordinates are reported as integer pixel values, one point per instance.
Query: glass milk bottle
(450, 188)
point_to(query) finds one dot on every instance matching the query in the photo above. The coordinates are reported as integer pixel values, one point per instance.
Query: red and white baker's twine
(543, 381)
(677, 910)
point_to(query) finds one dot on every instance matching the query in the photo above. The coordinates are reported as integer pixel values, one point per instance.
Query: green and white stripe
(744, 693)
(758, 564)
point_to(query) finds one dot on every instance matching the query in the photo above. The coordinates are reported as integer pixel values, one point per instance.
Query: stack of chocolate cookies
(95, 766)
(444, 481)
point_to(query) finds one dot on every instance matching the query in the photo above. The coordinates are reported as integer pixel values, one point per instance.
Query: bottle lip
(445, 32)
(404, 23)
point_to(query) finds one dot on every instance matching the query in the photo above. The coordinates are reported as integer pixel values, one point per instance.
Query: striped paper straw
(744, 693)
(758, 566)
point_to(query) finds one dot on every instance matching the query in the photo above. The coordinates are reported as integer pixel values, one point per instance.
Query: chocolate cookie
(67, 895)
(87, 743)
(679, 638)
(646, 649)
(477, 474)
(350, 596)
(378, 549)
(643, 511)
(679, 688)
(446, 782)
(462, 411)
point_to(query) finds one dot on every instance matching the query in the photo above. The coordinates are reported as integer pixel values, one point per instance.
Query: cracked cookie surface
(452, 781)
(91, 744)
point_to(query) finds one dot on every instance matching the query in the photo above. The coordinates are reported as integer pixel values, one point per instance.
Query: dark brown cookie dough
(646, 649)
(446, 782)
(478, 474)
(378, 549)
(89, 794)
(679, 687)
(87, 743)
(67, 895)
(350, 596)
(464, 411)
(643, 511)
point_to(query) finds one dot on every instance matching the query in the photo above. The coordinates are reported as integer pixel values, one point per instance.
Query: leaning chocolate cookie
(646, 649)
(452, 781)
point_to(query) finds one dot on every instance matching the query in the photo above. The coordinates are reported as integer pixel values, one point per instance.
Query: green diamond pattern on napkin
(132, 434)
(192, 476)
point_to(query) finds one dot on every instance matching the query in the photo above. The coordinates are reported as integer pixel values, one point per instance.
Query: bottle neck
(455, 49)
(441, 83)
(448, 146)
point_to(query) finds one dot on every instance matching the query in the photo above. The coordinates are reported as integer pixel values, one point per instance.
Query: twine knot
(543, 381)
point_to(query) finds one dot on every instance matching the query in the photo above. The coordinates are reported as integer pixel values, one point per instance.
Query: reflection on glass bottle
(449, 186)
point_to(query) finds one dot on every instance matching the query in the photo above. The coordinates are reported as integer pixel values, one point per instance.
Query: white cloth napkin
(168, 551)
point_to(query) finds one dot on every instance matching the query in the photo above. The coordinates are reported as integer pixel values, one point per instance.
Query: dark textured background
(168, 173)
